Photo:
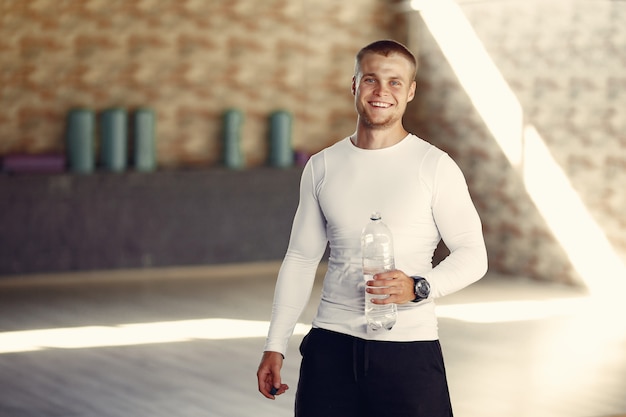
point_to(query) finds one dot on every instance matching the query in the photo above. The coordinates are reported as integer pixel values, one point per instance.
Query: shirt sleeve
(461, 230)
(297, 273)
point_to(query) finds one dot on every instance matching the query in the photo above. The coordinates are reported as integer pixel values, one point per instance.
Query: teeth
(379, 104)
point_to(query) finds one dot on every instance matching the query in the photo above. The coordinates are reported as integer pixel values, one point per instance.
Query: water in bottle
(377, 251)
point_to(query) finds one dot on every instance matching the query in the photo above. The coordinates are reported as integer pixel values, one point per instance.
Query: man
(422, 195)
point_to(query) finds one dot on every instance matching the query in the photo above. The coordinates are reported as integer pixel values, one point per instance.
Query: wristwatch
(422, 289)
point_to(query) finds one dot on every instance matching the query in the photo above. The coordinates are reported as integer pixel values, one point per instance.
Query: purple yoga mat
(45, 164)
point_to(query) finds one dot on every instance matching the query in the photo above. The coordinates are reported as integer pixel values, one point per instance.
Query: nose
(380, 90)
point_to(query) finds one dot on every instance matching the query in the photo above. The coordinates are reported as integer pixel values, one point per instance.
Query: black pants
(344, 376)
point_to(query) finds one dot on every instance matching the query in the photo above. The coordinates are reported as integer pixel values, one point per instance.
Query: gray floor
(513, 347)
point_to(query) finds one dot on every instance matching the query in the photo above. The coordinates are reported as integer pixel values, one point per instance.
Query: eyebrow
(373, 74)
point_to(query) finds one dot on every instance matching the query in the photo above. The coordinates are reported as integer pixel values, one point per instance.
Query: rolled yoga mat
(144, 140)
(281, 152)
(114, 139)
(26, 164)
(80, 141)
(233, 119)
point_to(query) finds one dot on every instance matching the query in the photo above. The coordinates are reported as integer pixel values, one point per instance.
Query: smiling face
(382, 87)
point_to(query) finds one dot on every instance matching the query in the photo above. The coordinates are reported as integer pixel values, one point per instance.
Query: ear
(353, 87)
(411, 95)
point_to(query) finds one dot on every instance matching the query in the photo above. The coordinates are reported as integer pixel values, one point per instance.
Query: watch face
(422, 288)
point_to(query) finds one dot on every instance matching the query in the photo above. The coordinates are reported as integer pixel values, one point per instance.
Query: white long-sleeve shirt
(422, 197)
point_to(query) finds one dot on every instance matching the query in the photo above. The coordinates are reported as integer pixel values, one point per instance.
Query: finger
(274, 386)
(270, 391)
(280, 390)
(269, 383)
(387, 275)
(265, 383)
(395, 294)
(276, 379)
(380, 282)
(379, 286)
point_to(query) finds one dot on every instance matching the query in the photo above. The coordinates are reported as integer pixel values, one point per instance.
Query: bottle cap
(375, 216)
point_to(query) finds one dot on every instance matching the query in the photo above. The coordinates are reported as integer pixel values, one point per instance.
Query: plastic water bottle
(377, 252)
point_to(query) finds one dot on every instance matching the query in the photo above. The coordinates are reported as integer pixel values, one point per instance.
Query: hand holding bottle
(395, 284)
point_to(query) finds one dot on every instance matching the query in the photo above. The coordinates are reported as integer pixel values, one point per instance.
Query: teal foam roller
(144, 140)
(80, 141)
(281, 152)
(114, 139)
(233, 120)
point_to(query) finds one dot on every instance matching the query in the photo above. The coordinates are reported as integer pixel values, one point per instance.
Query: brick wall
(190, 61)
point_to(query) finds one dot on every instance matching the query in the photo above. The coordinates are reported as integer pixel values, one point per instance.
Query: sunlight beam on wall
(486, 87)
(586, 245)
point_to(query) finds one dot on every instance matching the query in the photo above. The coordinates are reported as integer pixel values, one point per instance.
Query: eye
(369, 80)
(395, 83)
